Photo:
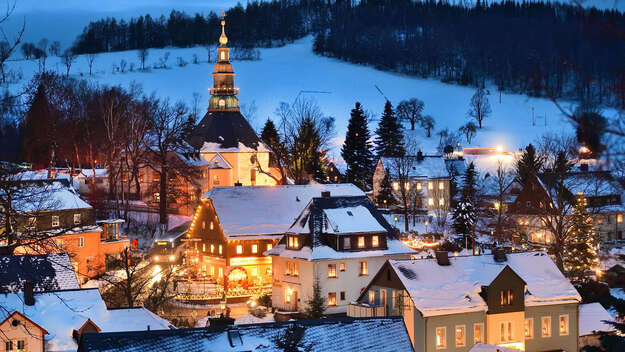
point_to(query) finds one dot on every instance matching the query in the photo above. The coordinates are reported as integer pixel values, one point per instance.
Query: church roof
(225, 131)
(218, 162)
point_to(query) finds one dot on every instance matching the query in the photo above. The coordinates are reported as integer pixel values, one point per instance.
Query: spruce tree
(580, 254)
(356, 150)
(317, 303)
(390, 138)
(529, 164)
(269, 134)
(465, 214)
(385, 196)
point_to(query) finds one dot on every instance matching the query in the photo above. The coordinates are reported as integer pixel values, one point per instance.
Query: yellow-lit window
(212, 270)
(441, 202)
(342, 267)
(407, 185)
(203, 247)
(441, 185)
(441, 338)
(212, 226)
(564, 325)
(361, 241)
(331, 271)
(545, 323)
(254, 248)
(203, 225)
(529, 328)
(296, 241)
(239, 249)
(372, 297)
(220, 249)
(419, 187)
(288, 269)
(287, 295)
(395, 186)
(212, 248)
(430, 201)
(460, 336)
(269, 246)
(430, 186)
(364, 270)
(223, 55)
(221, 272)
(331, 298)
(375, 241)
(478, 333)
(619, 218)
(295, 269)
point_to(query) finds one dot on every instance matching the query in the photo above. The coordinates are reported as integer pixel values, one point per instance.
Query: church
(234, 153)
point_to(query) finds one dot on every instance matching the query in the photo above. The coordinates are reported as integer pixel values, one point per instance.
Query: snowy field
(284, 73)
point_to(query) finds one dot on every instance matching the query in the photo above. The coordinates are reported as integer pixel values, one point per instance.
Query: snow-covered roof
(351, 219)
(334, 334)
(61, 312)
(225, 131)
(593, 184)
(218, 162)
(428, 167)
(49, 272)
(192, 160)
(267, 210)
(592, 317)
(480, 347)
(438, 290)
(47, 196)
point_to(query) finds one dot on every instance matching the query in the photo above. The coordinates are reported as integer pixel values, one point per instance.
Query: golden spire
(223, 40)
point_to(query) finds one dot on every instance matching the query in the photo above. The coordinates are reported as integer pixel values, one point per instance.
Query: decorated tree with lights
(580, 254)
(465, 215)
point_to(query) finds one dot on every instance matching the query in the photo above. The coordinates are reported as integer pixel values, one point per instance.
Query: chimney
(442, 257)
(499, 254)
(29, 295)
(238, 184)
(419, 156)
(325, 194)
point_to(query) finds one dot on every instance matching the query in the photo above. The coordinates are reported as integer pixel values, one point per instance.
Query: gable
(385, 277)
(507, 285)
(20, 318)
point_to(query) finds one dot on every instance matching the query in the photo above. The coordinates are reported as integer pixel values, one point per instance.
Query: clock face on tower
(222, 103)
(223, 94)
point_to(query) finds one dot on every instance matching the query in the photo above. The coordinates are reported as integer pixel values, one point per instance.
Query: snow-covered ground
(285, 73)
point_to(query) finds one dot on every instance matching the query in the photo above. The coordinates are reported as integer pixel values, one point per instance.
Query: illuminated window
(506, 297)
(347, 242)
(505, 331)
(288, 268)
(430, 201)
(331, 298)
(364, 270)
(76, 219)
(212, 270)
(239, 249)
(269, 246)
(331, 270)
(81, 242)
(203, 225)
(478, 333)
(441, 338)
(564, 325)
(222, 103)
(212, 248)
(375, 241)
(221, 272)
(212, 226)
(460, 335)
(215, 179)
(55, 221)
(407, 185)
(293, 242)
(156, 197)
(371, 297)
(430, 186)
(295, 269)
(342, 267)
(441, 185)
(441, 202)
(254, 248)
(529, 328)
(287, 295)
(223, 55)
(361, 241)
(220, 249)
(59, 242)
(203, 247)
(419, 187)
(395, 186)
(545, 323)
(619, 218)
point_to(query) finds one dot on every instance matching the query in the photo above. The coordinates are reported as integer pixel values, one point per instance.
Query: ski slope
(285, 73)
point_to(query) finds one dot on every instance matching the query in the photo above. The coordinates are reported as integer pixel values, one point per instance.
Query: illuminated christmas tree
(580, 254)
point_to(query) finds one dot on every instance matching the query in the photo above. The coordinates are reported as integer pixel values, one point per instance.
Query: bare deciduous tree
(90, 60)
(479, 107)
(68, 59)
(143, 56)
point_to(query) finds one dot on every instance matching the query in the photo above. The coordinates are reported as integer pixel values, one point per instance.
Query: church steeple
(223, 94)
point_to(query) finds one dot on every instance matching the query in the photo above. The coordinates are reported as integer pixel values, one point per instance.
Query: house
(55, 320)
(335, 334)
(592, 323)
(427, 174)
(45, 272)
(59, 221)
(336, 241)
(516, 300)
(234, 226)
(601, 191)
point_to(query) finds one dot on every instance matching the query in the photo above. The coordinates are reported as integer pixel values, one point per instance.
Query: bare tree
(43, 52)
(402, 177)
(143, 56)
(479, 107)
(55, 48)
(503, 177)
(8, 45)
(410, 110)
(195, 109)
(68, 59)
(469, 130)
(90, 60)
(209, 50)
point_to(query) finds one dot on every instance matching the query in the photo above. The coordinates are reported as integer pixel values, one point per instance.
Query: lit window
(212, 226)
(223, 55)
(239, 249)
(619, 218)
(375, 241)
(76, 219)
(441, 202)
(221, 272)
(59, 242)
(81, 242)
(342, 267)
(545, 323)
(203, 225)
(215, 179)
(430, 201)
(505, 332)
(529, 328)
(395, 186)
(295, 269)
(441, 338)
(203, 247)
(331, 298)
(347, 242)
(460, 336)
(364, 270)
(430, 186)
(478, 333)
(220, 249)
(212, 248)
(371, 297)
(441, 185)
(288, 269)
(55, 221)
(212, 270)
(564, 325)
(156, 197)
(254, 248)
(361, 241)
(407, 185)
(21, 346)
(331, 270)
(293, 242)
(419, 187)
(506, 297)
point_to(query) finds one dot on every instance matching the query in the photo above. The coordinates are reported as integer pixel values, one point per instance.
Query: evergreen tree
(317, 303)
(308, 157)
(385, 196)
(356, 150)
(465, 214)
(39, 129)
(529, 164)
(580, 254)
(390, 139)
(269, 134)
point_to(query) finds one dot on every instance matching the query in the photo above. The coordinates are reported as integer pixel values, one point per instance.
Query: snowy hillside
(282, 73)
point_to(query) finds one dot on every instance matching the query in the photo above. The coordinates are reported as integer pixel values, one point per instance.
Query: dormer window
(347, 242)
(361, 241)
(293, 242)
(375, 241)
(506, 297)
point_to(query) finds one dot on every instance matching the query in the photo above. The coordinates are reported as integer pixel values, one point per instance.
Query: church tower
(223, 94)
